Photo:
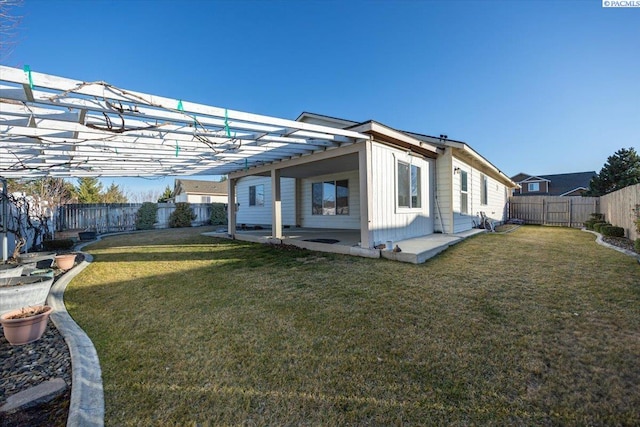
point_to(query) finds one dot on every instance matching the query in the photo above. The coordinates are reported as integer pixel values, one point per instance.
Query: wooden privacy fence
(553, 210)
(113, 217)
(621, 208)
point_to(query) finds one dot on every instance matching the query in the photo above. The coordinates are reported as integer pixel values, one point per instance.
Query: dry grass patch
(537, 326)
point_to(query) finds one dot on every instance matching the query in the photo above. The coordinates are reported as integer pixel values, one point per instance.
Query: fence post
(570, 203)
(544, 213)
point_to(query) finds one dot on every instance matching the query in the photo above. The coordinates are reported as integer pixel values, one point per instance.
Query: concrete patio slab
(416, 250)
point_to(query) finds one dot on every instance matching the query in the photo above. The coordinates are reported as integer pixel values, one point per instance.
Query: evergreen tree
(621, 170)
(89, 190)
(114, 195)
(166, 196)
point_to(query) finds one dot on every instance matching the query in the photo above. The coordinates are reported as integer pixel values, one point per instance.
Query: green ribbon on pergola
(226, 123)
(27, 69)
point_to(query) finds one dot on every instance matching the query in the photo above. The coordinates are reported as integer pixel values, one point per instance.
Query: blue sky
(535, 86)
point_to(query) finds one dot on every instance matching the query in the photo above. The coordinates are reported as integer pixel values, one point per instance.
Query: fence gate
(553, 210)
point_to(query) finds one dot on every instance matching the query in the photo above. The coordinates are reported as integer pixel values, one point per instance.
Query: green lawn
(538, 326)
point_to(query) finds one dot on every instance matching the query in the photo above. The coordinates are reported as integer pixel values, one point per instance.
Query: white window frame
(464, 193)
(415, 177)
(531, 185)
(484, 189)
(257, 190)
(335, 197)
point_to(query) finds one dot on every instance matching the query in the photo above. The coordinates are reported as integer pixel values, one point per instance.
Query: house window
(534, 186)
(330, 198)
(256, 195)
(409, 194)
(464, 195)
(484, 193)
(206, 199)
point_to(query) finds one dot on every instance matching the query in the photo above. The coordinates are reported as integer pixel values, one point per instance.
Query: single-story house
(195, 191)
(394, 186)
(563, 184)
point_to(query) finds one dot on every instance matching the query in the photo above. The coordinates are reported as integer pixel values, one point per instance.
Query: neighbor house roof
(560, 184)
(192, 186)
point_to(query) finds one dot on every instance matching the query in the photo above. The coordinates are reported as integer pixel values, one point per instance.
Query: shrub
(218, 214)
(637, 245)
(182, 216)
(612, 231)
(598, 225)
(52, 245)
(588, 224)
(147, 216)
(597, 217)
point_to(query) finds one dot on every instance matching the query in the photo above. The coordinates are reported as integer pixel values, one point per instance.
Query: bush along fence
(115, 217)
(553, 210)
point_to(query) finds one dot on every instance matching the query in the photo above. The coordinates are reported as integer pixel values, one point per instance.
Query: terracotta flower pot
(65, 262)
(27, 329)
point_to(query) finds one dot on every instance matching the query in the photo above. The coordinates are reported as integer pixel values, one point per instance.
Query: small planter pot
(65, 262)
(23, 291)
(11, 270)
(23, 330)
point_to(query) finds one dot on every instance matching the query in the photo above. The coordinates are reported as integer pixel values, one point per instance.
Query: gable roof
(193, 186)
(562, 183)
(424, 144)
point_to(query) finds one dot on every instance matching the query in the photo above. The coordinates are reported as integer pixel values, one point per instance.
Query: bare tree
(9, 23)
(27, 221)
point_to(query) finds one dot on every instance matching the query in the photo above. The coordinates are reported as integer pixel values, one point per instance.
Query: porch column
(364, 169)
(276, 205)
(231, 207)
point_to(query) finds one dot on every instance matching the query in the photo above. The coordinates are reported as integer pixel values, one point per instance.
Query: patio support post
(231, 207)
(276, 204)
(364, 168)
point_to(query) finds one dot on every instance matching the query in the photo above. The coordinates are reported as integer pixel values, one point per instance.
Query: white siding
(444, 193)
(463, 222)
(388, 222)
(199, 198)
(349, 222)
(496, 198)
(261, 215)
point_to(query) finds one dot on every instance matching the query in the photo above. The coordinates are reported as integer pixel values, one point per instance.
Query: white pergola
(59, 127)
(54, 126)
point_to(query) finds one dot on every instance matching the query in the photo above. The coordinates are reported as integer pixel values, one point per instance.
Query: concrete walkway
(87, 396)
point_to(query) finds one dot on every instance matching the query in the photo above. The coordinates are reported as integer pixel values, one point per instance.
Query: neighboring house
(194, 191)
(563, 184)
(394, 186)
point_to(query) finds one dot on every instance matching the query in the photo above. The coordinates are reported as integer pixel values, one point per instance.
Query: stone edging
(87, 396)
(607, 245)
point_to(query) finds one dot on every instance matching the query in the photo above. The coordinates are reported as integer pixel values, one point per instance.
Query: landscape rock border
(607, 245)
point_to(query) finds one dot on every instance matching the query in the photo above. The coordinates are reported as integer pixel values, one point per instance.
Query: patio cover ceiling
(54, 126)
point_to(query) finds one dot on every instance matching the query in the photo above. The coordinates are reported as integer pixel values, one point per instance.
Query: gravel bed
(621, 242)
(25, 366)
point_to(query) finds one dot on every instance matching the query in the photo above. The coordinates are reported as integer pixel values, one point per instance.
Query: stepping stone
(34, 396)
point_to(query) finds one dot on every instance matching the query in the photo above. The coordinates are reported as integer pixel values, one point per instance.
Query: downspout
(435, 192)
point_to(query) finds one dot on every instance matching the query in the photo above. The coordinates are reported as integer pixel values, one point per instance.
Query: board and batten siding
(497, 194)
(261, 215)
(388, 222)
(444, 193)
(345, 222)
